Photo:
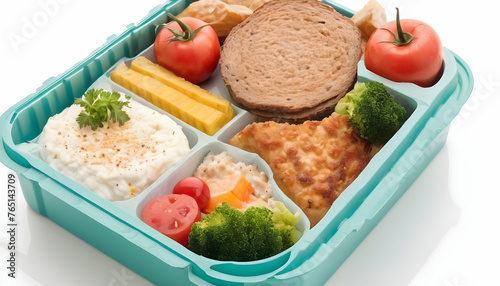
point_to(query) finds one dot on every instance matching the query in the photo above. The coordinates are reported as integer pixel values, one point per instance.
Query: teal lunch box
(115, 228)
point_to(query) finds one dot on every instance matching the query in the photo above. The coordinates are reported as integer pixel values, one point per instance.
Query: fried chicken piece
(313, 162)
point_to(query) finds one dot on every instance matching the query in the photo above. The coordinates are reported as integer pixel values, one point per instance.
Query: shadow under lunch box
(115, 228)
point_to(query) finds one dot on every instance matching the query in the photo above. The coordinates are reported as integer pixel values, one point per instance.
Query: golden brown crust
(313, 163)
(221, 15)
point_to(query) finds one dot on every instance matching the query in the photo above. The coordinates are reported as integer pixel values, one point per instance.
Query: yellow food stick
(196, 114)
(145, 66)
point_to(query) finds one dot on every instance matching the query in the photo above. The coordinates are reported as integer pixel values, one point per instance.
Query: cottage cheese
(116, 162)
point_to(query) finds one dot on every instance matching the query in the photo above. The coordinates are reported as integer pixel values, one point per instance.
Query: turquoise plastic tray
(115, 228)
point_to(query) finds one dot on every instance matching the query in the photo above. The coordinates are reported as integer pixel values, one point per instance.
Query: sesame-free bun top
(291, 58)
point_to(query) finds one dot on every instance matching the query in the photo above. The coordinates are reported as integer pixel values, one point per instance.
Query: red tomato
(195, 56)
(419, 61)
(194, 187)
(173, 215)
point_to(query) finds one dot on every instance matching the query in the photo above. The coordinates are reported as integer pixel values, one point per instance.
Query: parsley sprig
(101, 106)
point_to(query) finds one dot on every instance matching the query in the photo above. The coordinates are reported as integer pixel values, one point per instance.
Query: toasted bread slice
(317, 112)
(371, 17)
(218, 14)
(290, 56)
(252, 4)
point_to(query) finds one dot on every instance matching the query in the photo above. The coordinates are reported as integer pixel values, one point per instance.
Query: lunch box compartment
(116, 228)
(191, 163)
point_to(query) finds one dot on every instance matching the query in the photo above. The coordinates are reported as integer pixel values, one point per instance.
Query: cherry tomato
(173, 215)
(194, 187)
(409, 52)
(193, 54)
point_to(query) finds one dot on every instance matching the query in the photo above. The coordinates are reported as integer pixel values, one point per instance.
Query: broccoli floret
(373, 112)
(230, 234)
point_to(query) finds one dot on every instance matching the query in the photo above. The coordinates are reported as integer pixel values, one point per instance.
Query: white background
(443, 231)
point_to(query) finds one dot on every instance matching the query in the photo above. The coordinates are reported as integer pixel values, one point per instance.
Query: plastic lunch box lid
(404, 165)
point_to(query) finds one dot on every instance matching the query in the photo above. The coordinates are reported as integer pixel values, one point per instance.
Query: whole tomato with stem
(188, 47)
(405, 51)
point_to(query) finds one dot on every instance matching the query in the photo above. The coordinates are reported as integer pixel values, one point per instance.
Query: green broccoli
(231, 234)
(373, 112)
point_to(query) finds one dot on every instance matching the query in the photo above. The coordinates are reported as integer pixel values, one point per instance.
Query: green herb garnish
(101, 106)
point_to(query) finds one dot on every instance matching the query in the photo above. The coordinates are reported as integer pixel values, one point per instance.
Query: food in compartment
(203, 117)
(147, 67)
(255, 228)
(116, 161)
(194, 187)
(221, 16)
(188, 47)
(373, 111)
(100, 107)
(234, 190)
(229, 234)
(239, 184)
(252, 4)
(406, 50)
(291, 60)
(312, 162)
(371, 17)
(173, 215)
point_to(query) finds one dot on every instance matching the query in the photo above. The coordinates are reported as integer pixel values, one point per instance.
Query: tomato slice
(173, 215)
(194, 187)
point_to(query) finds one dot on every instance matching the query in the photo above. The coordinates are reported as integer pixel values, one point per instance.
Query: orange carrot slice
(243, 189)
(228, 197)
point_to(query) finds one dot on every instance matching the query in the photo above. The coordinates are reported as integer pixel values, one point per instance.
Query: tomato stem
(185, 35)
(402, 38)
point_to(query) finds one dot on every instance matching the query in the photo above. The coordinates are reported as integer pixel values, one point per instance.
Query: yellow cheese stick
(146, 67)
(196, 114)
